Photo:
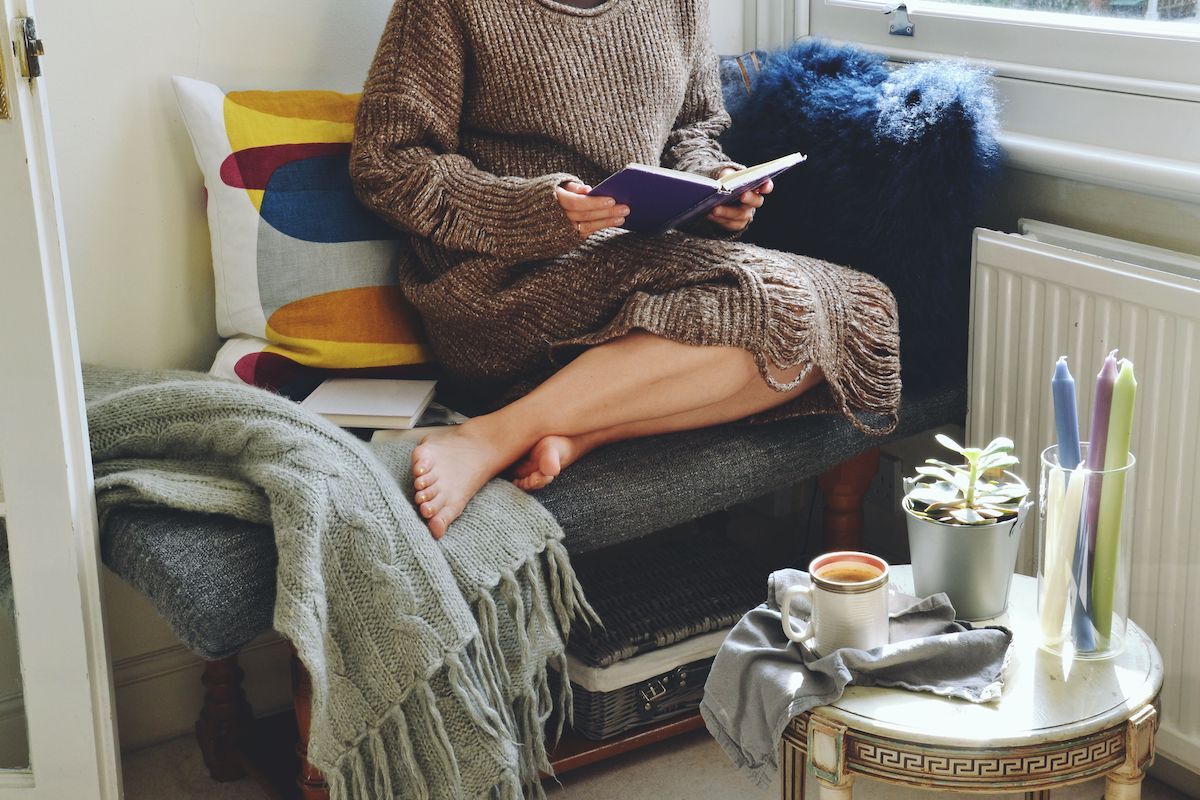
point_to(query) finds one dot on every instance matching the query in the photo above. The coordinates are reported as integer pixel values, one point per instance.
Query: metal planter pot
(972, 564)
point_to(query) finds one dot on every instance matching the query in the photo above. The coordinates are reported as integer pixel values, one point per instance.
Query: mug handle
(785, 608)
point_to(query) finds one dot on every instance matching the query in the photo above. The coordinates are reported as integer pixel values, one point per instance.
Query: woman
(482, 124)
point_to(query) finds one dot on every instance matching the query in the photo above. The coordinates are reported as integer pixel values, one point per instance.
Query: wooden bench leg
(843, 488)
(310, 780)
(225, 720)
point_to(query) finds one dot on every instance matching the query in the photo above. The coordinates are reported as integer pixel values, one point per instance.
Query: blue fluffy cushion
(899, 164)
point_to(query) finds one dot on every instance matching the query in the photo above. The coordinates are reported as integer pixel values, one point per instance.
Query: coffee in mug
(849, 572)
(848, 596)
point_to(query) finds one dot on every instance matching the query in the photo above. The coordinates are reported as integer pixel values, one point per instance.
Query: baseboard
(158, 694)
(1178, 760)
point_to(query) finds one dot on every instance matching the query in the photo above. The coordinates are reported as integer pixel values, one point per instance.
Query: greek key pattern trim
(1056, 762)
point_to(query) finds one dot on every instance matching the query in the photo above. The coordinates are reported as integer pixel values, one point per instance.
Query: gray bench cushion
(213, 578)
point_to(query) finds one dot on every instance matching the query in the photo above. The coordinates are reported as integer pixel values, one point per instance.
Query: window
(1106, 91)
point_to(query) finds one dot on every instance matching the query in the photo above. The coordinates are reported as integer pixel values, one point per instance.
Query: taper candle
(1097, 446)
(1112, 499)
(1066, 416)
(1062, 526)
(1066, 424)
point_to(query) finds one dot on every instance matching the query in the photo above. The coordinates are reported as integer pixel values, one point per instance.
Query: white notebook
(371, 402)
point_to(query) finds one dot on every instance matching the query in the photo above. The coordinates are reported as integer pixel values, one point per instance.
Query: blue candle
(1066, 417)
(1066, 425)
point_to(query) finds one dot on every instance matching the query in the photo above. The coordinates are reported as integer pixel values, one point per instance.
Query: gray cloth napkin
(760, 679)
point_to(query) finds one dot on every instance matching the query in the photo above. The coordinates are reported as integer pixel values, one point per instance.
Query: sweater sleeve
(692, 144)
(404, 162)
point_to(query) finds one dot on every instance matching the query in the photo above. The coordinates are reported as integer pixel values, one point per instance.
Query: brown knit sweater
(475, 110)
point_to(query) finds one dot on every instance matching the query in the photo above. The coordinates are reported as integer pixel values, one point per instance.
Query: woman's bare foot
(550, 456)
(449, 468)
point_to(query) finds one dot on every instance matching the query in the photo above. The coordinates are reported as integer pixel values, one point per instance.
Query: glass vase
(1084, 554)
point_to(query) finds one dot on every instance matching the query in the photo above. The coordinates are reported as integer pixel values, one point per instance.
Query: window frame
(1077, 119)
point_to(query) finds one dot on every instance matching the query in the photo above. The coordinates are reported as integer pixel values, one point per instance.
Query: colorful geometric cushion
(260, 363)
(299, 263)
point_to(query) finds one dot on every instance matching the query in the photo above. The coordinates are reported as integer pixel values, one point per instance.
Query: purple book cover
(660, 198)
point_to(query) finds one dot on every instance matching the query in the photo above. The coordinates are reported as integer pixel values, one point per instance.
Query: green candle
(1112, 498)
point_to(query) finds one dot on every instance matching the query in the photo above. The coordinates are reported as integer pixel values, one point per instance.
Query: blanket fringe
(510, 699)
(438, 737)
(566, 592)
(486, 614)
(385, 757)
(483, 709)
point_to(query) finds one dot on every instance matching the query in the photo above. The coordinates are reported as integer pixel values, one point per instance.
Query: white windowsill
(1121, 169)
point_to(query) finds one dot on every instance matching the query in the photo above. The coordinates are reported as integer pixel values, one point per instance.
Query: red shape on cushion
(278, 373)
(252, 168)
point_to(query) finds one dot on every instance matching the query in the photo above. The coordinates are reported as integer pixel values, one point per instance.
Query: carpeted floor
(691, 767)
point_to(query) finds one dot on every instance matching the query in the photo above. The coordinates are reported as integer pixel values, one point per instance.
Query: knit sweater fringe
(428, 659)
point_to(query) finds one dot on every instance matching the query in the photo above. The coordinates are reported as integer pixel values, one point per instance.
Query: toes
(422, 459)
(526, 468)
(439, 523)
(425, 495)
(438, 526)
(425, 481)
(535, 481)
(550, 462)
(430, 508)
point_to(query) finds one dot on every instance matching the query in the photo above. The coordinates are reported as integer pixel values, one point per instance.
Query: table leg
(795, 772)
(1125, 782)
(837, 791)
(827, 758)
(1120, 787)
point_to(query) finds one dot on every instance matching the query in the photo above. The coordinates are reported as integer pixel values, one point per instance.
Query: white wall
(138, 243)
(132, 196)
(1156, 221)
(725, 20)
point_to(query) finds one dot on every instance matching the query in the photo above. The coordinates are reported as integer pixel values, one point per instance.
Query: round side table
(1056, 724)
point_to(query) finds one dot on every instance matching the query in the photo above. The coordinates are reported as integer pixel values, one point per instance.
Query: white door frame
(45, 467)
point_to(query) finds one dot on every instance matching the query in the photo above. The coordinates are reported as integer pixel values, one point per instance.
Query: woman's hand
(736, 217)
(588, 214)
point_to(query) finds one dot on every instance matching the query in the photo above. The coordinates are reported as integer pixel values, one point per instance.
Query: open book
(661, 198)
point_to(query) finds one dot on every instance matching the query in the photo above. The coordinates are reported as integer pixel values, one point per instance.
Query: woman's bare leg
(631, 379)
(554, 453)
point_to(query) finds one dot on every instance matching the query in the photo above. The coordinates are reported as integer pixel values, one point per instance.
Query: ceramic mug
(849, 600)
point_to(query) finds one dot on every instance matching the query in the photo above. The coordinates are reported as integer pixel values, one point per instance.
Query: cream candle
(1062, 525)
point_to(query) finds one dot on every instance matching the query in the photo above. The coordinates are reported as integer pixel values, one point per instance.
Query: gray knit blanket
(428, 658)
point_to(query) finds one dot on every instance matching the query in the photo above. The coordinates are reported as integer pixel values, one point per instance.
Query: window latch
(901, 25)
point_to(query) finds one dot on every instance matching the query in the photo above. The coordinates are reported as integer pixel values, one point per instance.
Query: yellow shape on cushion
(262, 119)
(348, 355)
(370, 326)
(314, 117)
(310, 105)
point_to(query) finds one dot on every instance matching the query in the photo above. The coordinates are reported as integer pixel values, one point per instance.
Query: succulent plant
(979, 492)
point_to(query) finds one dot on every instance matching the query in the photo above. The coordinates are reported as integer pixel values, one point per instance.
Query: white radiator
(1033, 301)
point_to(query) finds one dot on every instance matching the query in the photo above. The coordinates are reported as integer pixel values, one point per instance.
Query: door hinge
(28, 48)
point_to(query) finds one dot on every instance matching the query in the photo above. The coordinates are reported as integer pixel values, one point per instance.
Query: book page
(751, 176)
